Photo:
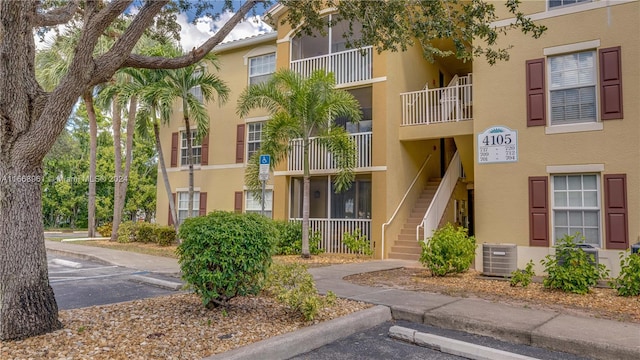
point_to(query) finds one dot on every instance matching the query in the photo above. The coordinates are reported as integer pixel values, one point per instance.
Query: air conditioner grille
(499, 259)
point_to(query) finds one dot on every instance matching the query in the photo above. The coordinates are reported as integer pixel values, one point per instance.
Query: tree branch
(57, 16)
(156, 62)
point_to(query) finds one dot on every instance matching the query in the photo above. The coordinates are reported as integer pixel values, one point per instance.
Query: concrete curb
(79, 256)
(85, 239)
(304, 340)
(452, 346)
(170, 285)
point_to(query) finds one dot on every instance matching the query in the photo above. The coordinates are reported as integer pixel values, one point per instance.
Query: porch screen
(354, 203)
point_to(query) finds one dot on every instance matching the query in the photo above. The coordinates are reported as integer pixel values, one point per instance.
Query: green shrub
(224, 255)
(449, 250)
(358, 243)
(523, 277)
(105, 230)
(289, 239)
(572, 269)
(164, 235)
(126, 232)
(628, 282)
(292, 285)
(144, 232)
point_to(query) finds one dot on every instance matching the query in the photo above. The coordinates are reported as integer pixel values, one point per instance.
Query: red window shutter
(170, 222)
(240, 144)
(203, 204)
(615, 213)
(204, 150)
(237, 202)
(174, 149)
(538, 211)
(610, 83)
(536, 113)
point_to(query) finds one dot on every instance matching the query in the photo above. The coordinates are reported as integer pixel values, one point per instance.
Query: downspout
(415, 179)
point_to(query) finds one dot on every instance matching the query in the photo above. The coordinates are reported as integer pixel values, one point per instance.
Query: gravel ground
(600, 302)
(171, 327)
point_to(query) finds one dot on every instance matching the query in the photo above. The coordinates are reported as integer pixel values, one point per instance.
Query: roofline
(275, 10)
(254, 40)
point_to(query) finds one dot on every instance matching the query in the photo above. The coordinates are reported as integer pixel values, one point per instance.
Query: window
(261, 68)
(254, 137)
(253, 205)
(576, 207)
(561, 3)
(197, 90)
(364, 97)
(196, 146)
(305, 46)
(572, 90)
(354, 203)
(183, 205)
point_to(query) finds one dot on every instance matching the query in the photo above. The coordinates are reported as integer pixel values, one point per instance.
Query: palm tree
(300, 108)
(182, 84)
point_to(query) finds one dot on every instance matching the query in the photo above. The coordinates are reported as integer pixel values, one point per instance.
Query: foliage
(224, 255)
(105, 230)
(523, 277)
(145, 232)
(126, 232)
(165, 235)
(291, 284)
(357, 242)
(396, 25)
(572, 269)
(628, 282)
(449, 250)
(289, 239)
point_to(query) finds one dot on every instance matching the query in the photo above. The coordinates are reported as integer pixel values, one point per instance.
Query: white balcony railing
(347, 66)
(332, 231)
(440, 199)
(320, 158)
(442, 105)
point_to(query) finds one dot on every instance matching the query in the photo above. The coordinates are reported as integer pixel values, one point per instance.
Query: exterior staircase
(406, 247)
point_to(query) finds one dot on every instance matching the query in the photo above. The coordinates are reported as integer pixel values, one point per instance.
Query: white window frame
(557, 208)
(182, 205)
(261, 70)
(563, 5)
(593, 84)
(195, 145)
(197, 90)
(250, 152)
(252, 205)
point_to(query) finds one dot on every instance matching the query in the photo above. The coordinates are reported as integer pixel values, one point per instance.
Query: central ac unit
(499, 259)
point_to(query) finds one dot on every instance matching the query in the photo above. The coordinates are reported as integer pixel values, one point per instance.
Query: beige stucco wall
(501, 190)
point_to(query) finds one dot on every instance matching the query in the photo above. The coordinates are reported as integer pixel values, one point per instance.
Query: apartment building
(521, 152)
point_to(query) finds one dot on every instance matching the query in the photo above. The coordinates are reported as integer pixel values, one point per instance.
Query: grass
(148, 249)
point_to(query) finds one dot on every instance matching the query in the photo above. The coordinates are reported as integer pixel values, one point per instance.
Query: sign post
(265, 161)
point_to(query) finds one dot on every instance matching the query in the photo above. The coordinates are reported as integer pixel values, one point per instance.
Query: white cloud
(193, 35)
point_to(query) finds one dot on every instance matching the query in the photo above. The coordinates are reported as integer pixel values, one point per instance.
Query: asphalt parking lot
(82, 283)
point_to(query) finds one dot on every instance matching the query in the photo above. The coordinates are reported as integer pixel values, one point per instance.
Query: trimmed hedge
(144, 232)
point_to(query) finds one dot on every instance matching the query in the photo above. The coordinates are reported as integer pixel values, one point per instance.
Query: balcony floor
(435, 131)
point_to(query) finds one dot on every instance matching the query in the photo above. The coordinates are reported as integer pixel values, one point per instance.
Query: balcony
(332, 230)
(347, 66)
(320, 159)
(434, 107)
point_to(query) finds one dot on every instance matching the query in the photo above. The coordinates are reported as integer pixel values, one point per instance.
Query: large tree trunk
(27, 303)
(117, 149)
(165, 177)
(121, 180)
(93, 148)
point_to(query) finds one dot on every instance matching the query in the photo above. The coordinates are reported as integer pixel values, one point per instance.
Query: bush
(224, 255)
(357, 242)
(144, 232)
(449, 250)
(165, 235)
(523, 277)
(126, 232)
(105, 230)
(289, 239)
(628, 282)
(291, 284)
(572, 269)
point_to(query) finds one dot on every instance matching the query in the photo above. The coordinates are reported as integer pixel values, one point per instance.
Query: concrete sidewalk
(585, 336)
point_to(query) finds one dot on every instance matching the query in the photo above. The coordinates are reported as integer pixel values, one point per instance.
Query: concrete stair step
(408, 243)
(401, 256)
(405, 250)
(407, 237)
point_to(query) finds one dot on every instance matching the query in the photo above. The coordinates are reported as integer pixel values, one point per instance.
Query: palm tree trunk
(117, 149)
(305, 200)
(189, 157)
(93, 148)
(121, 180)
(165, 177)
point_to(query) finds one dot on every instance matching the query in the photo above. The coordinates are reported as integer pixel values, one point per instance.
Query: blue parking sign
(265, 159)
